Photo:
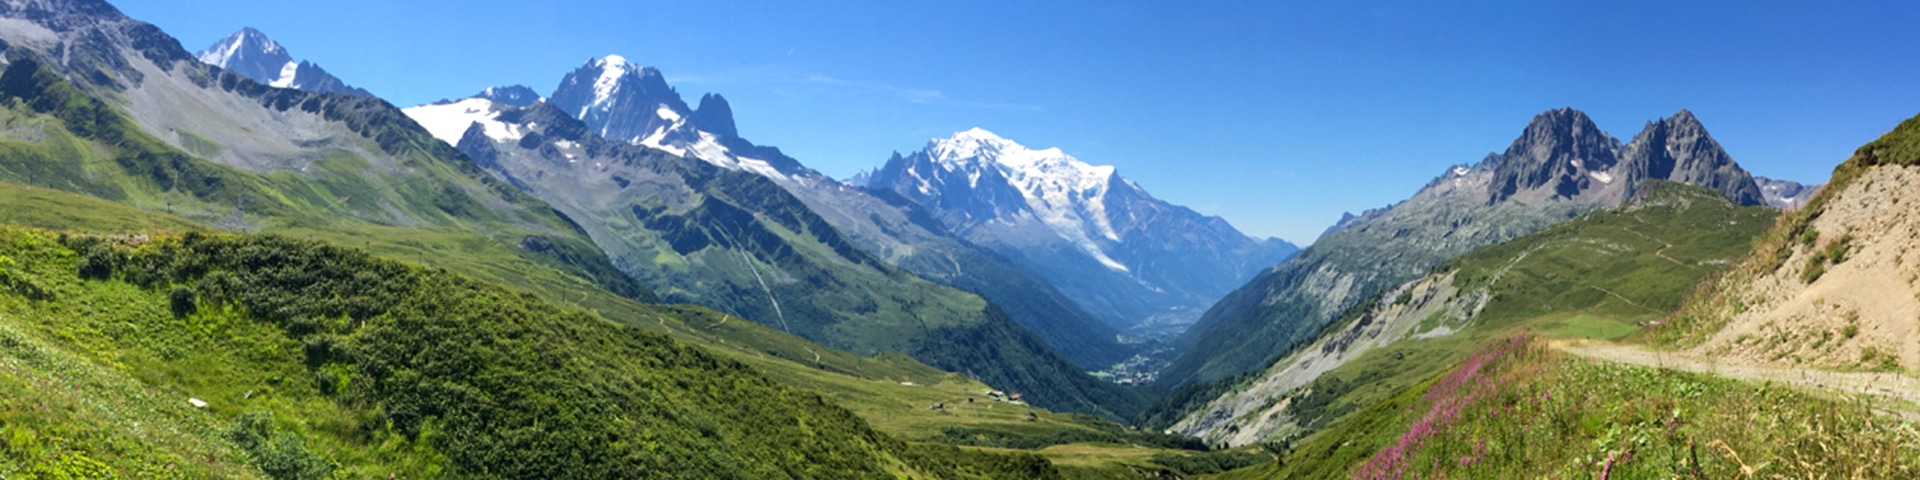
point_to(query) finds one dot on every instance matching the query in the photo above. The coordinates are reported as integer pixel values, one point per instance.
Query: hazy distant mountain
(1785, 194)
(1104, 241)
(249, 52)
(1561, 166)
(513, 95)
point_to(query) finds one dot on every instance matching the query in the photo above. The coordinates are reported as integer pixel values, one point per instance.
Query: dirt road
(1905, 390)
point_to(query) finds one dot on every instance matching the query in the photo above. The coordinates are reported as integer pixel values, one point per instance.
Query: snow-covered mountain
(1108, 244)
(249, 52)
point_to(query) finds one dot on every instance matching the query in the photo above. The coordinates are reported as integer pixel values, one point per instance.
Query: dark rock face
(1557, 153)
(1678, 148)
(715, 116)
(512, 95)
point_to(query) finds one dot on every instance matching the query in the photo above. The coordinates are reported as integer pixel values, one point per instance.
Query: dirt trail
(1902, 388)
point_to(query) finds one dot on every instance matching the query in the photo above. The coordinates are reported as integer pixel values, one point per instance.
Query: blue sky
(1276, 115)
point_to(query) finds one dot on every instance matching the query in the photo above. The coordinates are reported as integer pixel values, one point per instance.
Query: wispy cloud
(919, 96)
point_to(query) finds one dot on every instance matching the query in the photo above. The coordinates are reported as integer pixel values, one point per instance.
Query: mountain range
(682, 203)
(1561, 166)
(1103, 240)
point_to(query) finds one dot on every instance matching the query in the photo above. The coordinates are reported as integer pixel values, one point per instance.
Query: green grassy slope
(868, 385)
(318, 359)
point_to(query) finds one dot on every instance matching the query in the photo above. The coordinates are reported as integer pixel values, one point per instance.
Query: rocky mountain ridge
(1560, 166)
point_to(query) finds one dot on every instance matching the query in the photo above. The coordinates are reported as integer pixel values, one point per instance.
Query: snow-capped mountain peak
(621, 100)
(1063, 192)
(1049, 176)
(250, 53)
(612, 69)
(1078, 223)
(245, 42)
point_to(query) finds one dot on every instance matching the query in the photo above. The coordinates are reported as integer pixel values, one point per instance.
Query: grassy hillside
(1517, 409)
(315, 359)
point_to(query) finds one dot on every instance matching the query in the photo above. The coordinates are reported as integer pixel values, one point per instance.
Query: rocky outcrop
(1678, 148)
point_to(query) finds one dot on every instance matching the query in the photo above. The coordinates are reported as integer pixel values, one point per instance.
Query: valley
(232, 263)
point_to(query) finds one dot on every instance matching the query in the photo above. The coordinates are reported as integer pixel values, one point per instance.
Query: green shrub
(283, 455)
(181, 302)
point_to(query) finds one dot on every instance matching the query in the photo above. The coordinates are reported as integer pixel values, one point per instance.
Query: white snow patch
(1460, 171)
(1603, 177)
(448, 122)
(287, 74)
(667, 113)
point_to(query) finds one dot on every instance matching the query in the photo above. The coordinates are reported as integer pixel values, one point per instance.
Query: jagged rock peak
(715, 115)
(1561, 153)
(1679, 148)
(248, 52)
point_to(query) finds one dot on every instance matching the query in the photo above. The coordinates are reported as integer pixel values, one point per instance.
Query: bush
(181, 302)
(282, 455)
